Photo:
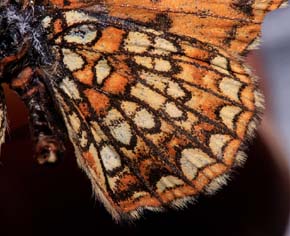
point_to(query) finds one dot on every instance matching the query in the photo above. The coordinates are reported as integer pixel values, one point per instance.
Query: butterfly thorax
(23, 55)
(21, 37)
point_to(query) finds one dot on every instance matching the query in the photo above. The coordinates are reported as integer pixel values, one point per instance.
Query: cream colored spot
(167, 182)
(70, 88)
(163, 46)
(172, 110)
(110, 158)
(72, 60)
(98, 134)
(154, 80)
(73, 17)
(129, 107)
(148, 96)
(230, 88)
(137, 195)
(228, 113)
(220, 64)
(144, 119)
(58, 40)
(120, 129)
(188, 168)
(197, 157)
(84, 139)
(175, 91)
(162, 65)
(137, 42)
(144, 61)
(96, 168)
(122, 133)
(81, 35)
(46, 22)
(217, 142)
(102, 70)
(75, 122)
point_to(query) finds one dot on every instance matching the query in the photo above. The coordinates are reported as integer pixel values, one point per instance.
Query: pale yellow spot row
(230, 88)
(220, 64)
(167, 182)
(217, 142)
(228, 113)
(192, 159)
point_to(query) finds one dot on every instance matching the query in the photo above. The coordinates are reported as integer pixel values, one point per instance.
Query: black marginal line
(201, 15)
(152, 145)
(72, 106)
(129, 163)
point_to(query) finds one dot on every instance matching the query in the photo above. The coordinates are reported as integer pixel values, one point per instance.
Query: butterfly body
(24, 55)
(154, 96)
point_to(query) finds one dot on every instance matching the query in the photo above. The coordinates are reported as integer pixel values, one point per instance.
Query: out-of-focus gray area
(276, 55)
(275, 49)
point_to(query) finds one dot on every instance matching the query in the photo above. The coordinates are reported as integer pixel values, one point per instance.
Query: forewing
(234, 25)
(156, 116)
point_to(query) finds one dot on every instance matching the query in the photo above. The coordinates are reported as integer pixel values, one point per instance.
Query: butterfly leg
(46, 127)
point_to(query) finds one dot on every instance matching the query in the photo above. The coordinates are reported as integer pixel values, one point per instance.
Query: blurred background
(37, 200)
(275, 70)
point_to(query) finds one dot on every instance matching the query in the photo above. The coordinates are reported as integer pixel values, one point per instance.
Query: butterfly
(154, 95)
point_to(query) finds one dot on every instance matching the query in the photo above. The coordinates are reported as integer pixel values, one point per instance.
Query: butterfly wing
(156, 115)
(232, 24)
